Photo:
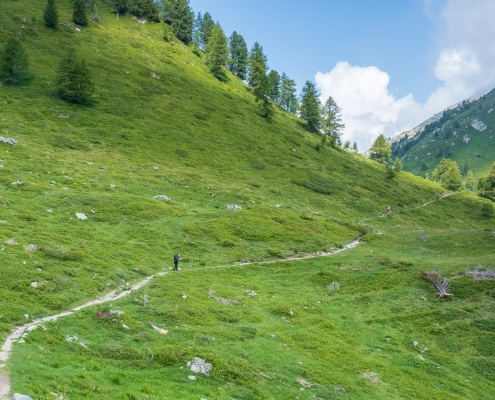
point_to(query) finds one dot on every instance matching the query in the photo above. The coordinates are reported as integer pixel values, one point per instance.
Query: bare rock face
(478, 125)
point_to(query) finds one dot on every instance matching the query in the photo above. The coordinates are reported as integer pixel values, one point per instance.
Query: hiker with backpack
(176, 261)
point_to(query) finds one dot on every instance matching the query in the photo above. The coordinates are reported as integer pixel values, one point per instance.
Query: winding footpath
(20, 331)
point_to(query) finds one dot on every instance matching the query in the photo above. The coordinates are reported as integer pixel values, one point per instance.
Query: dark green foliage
(74, 82)
(14, 63)
(182, 20)
(238, 56)
(332, 122)
(381, 151)
(397, 165)
(310, 107)
(486, 184)
(354, 147)
(146, 9)
(217, 52)
(424, 167)
(79, 15)
(317, 184)
(50, 15)
(257, 68)
(205, 28)
(288, 97)
(274, 86)
(487, 210)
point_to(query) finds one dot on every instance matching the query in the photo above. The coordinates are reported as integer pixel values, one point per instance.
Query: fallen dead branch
(441, 283)
(221, 300)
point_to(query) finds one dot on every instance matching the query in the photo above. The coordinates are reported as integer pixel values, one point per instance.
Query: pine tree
(122, 6)
(238, 56)
(50, 15)
(206, 27)
(448, 174)
(79, 15)
(74, 83)
(274, 86)
(332, 121)
(355, 148)
(196, 35)
(469, 182)
(288, 97)
(381, 151)
(257, 69)
(310, 106)
(217, 52)
(14, 63)
(347, 145)
(182, 20)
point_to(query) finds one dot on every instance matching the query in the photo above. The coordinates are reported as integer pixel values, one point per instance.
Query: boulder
(162, 197)
(10, 141)
(18, 396)
(233, 207)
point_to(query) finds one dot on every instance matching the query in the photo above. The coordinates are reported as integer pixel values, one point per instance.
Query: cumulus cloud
(464, 67)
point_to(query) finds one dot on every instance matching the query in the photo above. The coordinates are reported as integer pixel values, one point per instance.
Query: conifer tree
(448, 174)
(205, 29)
(397, 165)
(238, 56)
(381, 150)
(217, 52)
(274, 86)
(196, 36)
(332, 122)
(182, 20)
(50, 15)
(309, 109)
(354, 147)
(288, 97)
(486, 184)
(79, 14)
(74, 82)
(469, 182)
(122, 6)
(257, 69)
(14, 63)
(347, 145)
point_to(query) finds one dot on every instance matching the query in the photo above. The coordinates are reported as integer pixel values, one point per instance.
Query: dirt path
(21, 331)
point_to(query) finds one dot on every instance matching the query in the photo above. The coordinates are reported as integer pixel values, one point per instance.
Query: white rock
(191, 377)
(415, 344)
(35, 284)
(233, 207)
(162, 197)
(18, 396)
(81, 216)
(26, 316)
(10, 141)
(200, 366)
(478, 125)
(184, 296)
(113, 186)
(420, 357)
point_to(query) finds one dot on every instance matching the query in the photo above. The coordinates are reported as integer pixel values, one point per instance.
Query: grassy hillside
(445, 139)
(163, 125)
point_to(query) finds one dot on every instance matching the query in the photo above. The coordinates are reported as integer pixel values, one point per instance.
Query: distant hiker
(176, 261)
(389, 210)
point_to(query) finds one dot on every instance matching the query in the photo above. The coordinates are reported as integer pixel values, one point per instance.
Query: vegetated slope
(162, 125)
(465, 133)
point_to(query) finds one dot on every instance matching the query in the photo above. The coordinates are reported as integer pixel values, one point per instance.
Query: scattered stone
(155, 168)
(159, 330)
(10, 141)
(10, 242)
(162, 197)
(277, 205)
(478, 125)
(81, 216)
(125, 326)
(31, 248)
(26, 316)
(420, 357)
(191, 377)
(372, 377)
(18, 396)
(465, 140)
(184, 296)
(233, 207)
(423, 239)
(16, 183)
(113, 186)
(340, 388)
(200, 366)
(333, 286)
(103, 169)
(35, 284)
(415, 343)
(304, 383)
(154, 76)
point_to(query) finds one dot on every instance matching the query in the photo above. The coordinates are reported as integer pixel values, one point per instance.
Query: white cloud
(466, 57)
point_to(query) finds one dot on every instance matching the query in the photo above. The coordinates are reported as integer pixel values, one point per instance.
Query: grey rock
(162, 197)
(10, 141)
(233, 207)
(199, 365)
(18, 396)
(423, 239)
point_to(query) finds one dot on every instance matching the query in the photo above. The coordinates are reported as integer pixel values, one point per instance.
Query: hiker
(389, 210)
(176, 261)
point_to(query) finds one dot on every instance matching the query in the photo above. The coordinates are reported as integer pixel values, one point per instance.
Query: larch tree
(238, 56)
(50, 15)
(14, 63)
(196, 35)
(288, 94)
(448, 174)
(217, 52)
(486, 184)
(397, 164)
(79, 13)
(182, 20)
(205, 29)
(381, 150)
(355, 148)
(332, 121)
(310, 107)
(257, 69)
(274, 86)
(74, 82)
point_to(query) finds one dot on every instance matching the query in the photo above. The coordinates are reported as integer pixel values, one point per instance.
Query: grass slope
(447, 141)
(162, 125)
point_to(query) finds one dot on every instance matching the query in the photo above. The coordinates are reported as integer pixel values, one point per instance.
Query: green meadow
(360, 324)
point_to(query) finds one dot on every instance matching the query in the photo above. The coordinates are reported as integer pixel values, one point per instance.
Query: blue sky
(389, 64)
